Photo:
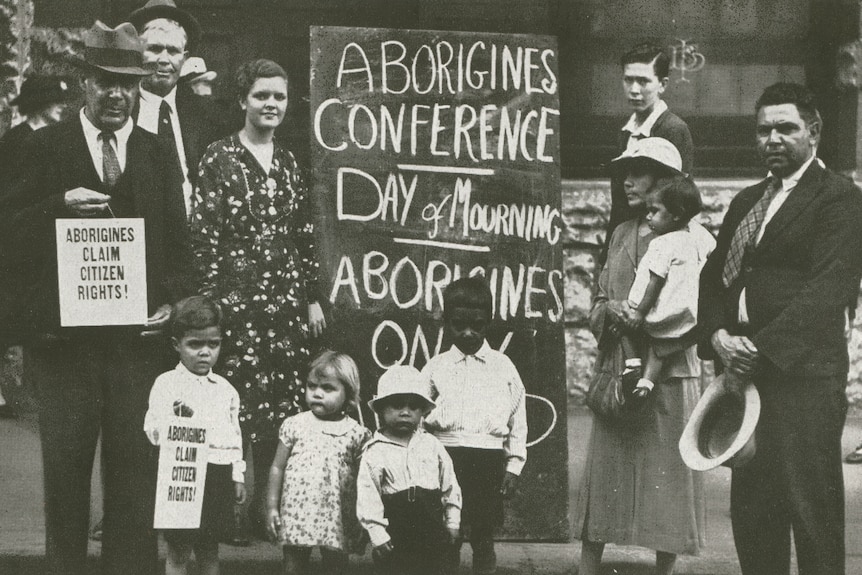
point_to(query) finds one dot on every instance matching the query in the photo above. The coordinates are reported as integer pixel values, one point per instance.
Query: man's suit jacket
(799, 280)
(200, 125)
(57, 160)
(668, 126)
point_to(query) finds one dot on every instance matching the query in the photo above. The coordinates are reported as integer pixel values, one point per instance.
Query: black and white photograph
(406, 287)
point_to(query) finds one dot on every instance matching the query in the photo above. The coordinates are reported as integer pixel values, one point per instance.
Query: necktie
(166, 133)
(111, 171)
(746, 232)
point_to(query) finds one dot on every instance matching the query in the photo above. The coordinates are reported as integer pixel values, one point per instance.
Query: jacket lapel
(797, 201)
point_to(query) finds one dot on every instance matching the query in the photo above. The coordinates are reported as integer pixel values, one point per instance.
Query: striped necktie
(111, 171)
(746, 232)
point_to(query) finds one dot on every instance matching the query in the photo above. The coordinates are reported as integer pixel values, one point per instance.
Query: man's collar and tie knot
(747, 231)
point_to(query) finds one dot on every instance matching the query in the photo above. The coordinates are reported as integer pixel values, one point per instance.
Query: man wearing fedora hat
(96, 380)
(775, 298)
(196, 77)
(185, 123)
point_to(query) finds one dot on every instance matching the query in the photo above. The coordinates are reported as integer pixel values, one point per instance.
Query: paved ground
(22, 529)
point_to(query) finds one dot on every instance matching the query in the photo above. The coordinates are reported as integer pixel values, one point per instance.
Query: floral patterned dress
(318, 496)
(252, 233)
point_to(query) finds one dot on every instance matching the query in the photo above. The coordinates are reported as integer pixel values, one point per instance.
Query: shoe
(96, 532)
(854, 456)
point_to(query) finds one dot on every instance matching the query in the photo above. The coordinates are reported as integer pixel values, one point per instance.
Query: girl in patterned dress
(252, 233)
(311, 497)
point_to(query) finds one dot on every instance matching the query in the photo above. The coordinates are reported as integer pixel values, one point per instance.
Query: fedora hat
(38, 92)
(720, 430)
(401, 380)
(657, 152)
(167, 9)
(116, 50)
(195, 70)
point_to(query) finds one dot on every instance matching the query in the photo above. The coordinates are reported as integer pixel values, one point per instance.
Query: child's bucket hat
(720, 430)
(402, 380)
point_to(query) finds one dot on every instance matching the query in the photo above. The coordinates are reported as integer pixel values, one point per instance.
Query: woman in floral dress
(253, 237)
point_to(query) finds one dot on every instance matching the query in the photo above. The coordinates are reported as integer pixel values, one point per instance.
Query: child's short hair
(470, 292)
(343, 368)
(680, 196)
(195, 312)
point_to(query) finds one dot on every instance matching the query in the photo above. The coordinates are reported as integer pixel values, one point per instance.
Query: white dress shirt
(148, 119)
(388, 467)
(643, 130)
(94, 143)
(481, 403)
(213, 400)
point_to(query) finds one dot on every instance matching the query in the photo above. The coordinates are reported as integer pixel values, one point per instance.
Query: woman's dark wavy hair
(250, 72)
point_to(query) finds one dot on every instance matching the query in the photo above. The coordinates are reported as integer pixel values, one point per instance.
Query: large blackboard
(436, 155)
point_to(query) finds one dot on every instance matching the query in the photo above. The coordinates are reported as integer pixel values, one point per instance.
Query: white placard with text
(183, 457)
(102, 271)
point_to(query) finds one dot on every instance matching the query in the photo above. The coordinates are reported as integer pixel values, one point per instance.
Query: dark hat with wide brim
(38, 92)
(117, 50)
(721, 428)
(167, 9)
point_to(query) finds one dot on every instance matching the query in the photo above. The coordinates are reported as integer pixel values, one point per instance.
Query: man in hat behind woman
(96, 379)
(185, 123)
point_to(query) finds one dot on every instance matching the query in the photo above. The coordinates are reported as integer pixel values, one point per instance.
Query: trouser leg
(69, 401)
(129, 544)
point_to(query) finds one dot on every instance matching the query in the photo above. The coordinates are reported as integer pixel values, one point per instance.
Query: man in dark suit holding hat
(776, 296)
(96, 379)
(186, 123)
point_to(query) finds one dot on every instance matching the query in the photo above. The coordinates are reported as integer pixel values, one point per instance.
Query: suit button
(747, 269)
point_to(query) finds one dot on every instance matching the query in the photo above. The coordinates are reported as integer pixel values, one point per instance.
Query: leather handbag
(605, 394)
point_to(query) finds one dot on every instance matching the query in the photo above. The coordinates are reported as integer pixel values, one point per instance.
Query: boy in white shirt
(480, 416)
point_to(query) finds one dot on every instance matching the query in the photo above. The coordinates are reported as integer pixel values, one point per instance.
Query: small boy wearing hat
(408, 498)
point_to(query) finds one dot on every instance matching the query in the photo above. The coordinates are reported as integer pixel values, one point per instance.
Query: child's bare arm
(651, 293)
(273, 488)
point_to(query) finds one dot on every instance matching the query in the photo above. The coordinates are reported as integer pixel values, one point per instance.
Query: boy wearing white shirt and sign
(192, 392)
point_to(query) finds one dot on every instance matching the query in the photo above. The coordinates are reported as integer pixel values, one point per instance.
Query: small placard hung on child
(102, 272)
(183, 457)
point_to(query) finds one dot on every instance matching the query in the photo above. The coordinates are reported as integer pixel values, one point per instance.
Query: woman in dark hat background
(41, 102)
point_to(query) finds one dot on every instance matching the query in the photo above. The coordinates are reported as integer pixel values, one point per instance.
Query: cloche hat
(167, 9)
(38, 92)
(117, 50)
(402, 380)
(721, 428)
(654, 151)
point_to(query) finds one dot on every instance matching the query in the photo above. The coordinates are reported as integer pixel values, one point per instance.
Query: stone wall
(586, 205)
